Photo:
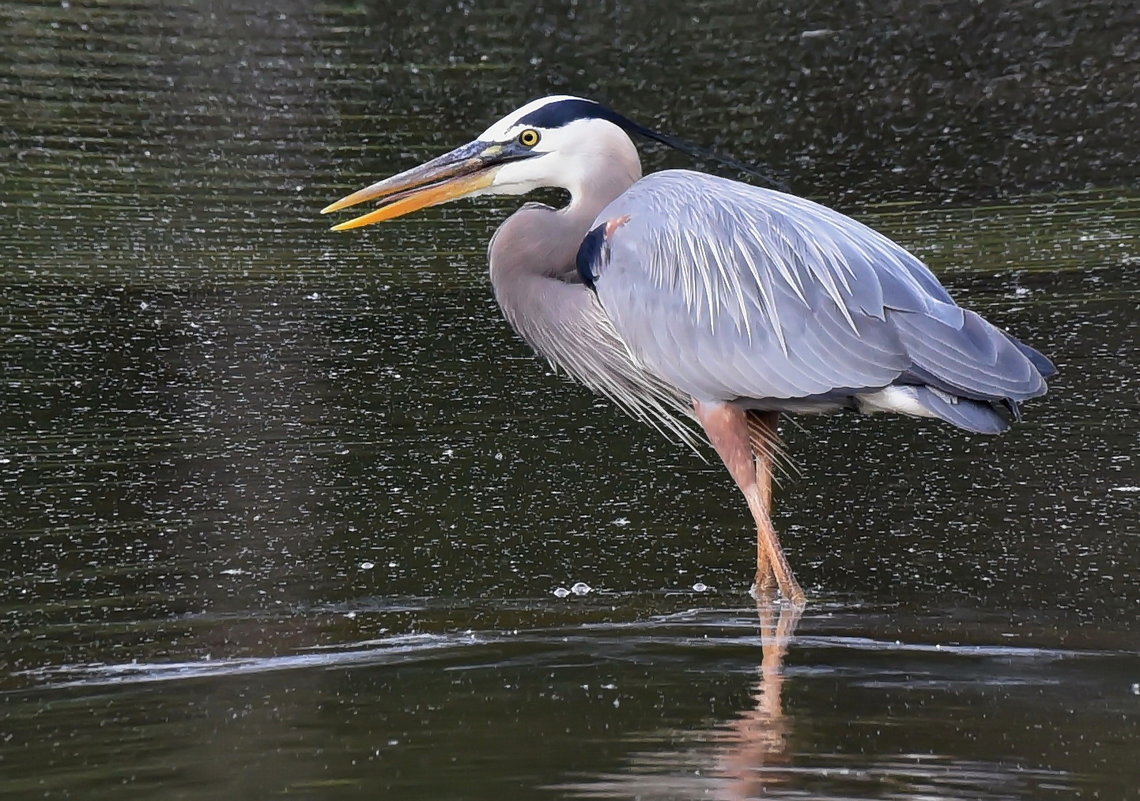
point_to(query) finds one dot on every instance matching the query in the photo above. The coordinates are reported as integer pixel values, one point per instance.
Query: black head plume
(564, 111)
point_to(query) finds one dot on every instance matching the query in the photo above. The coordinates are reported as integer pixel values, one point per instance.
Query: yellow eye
(529, 137)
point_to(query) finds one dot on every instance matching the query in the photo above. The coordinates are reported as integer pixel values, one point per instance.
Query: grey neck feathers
(542, 242)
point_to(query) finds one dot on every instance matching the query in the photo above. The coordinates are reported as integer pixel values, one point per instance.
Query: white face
(565, 156)
(559, 162)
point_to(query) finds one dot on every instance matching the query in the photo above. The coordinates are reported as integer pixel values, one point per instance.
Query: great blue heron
(682, 294)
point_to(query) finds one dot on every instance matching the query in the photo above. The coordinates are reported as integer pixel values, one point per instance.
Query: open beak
(465, 171)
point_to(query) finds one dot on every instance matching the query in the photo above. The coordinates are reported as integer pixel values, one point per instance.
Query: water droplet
(700, 587)
(561, 592)
(367, 565)
(581, 588)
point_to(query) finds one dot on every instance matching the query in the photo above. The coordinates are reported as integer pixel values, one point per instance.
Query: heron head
(557, 141)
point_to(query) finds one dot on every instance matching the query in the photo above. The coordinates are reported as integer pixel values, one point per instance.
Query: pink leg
(763, 428)
(727, 429)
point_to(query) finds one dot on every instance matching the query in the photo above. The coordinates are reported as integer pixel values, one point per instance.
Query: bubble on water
(581, 588)
(367, 565)
(620, 521)
(561, 592)
(700, 587)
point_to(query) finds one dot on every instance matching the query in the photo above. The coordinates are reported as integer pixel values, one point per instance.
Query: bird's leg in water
(727, 429)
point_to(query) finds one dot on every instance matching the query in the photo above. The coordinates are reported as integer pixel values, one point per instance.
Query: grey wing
(731, 291)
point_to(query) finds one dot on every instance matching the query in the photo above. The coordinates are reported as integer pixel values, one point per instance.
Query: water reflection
(754, 747)
(745, 757)
(651, 698)
(835, 714)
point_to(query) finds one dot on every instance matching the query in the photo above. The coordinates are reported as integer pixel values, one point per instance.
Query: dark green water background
(283, 512)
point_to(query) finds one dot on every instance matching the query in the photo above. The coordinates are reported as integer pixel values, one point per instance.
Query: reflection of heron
(747, 756)
(682, 294)
(754, 746)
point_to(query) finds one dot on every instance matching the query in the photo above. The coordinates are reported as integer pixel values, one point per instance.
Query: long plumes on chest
(536, 282)
(563, 322)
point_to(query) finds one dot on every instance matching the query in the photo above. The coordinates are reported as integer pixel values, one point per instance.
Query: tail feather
(1038, 359)
(972, 415)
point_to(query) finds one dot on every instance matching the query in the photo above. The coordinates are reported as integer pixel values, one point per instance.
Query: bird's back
(733, 292)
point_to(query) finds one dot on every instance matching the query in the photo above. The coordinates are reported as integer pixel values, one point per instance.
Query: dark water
(284, 512)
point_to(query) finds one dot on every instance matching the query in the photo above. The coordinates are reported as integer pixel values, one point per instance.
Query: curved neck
(543, 242)
(533, 270)
(607, 178)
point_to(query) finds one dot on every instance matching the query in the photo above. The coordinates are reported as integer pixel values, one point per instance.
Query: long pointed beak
(465, 171)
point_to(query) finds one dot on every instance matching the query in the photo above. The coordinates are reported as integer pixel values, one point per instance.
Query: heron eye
(529, 137)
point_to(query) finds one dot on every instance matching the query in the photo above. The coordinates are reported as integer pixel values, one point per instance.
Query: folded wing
(733, 292)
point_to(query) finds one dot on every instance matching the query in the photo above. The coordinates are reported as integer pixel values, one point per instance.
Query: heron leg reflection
(728, 431)
(755, 756)
(777, 628)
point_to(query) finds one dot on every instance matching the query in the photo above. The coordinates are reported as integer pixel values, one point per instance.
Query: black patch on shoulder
(590, 254)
